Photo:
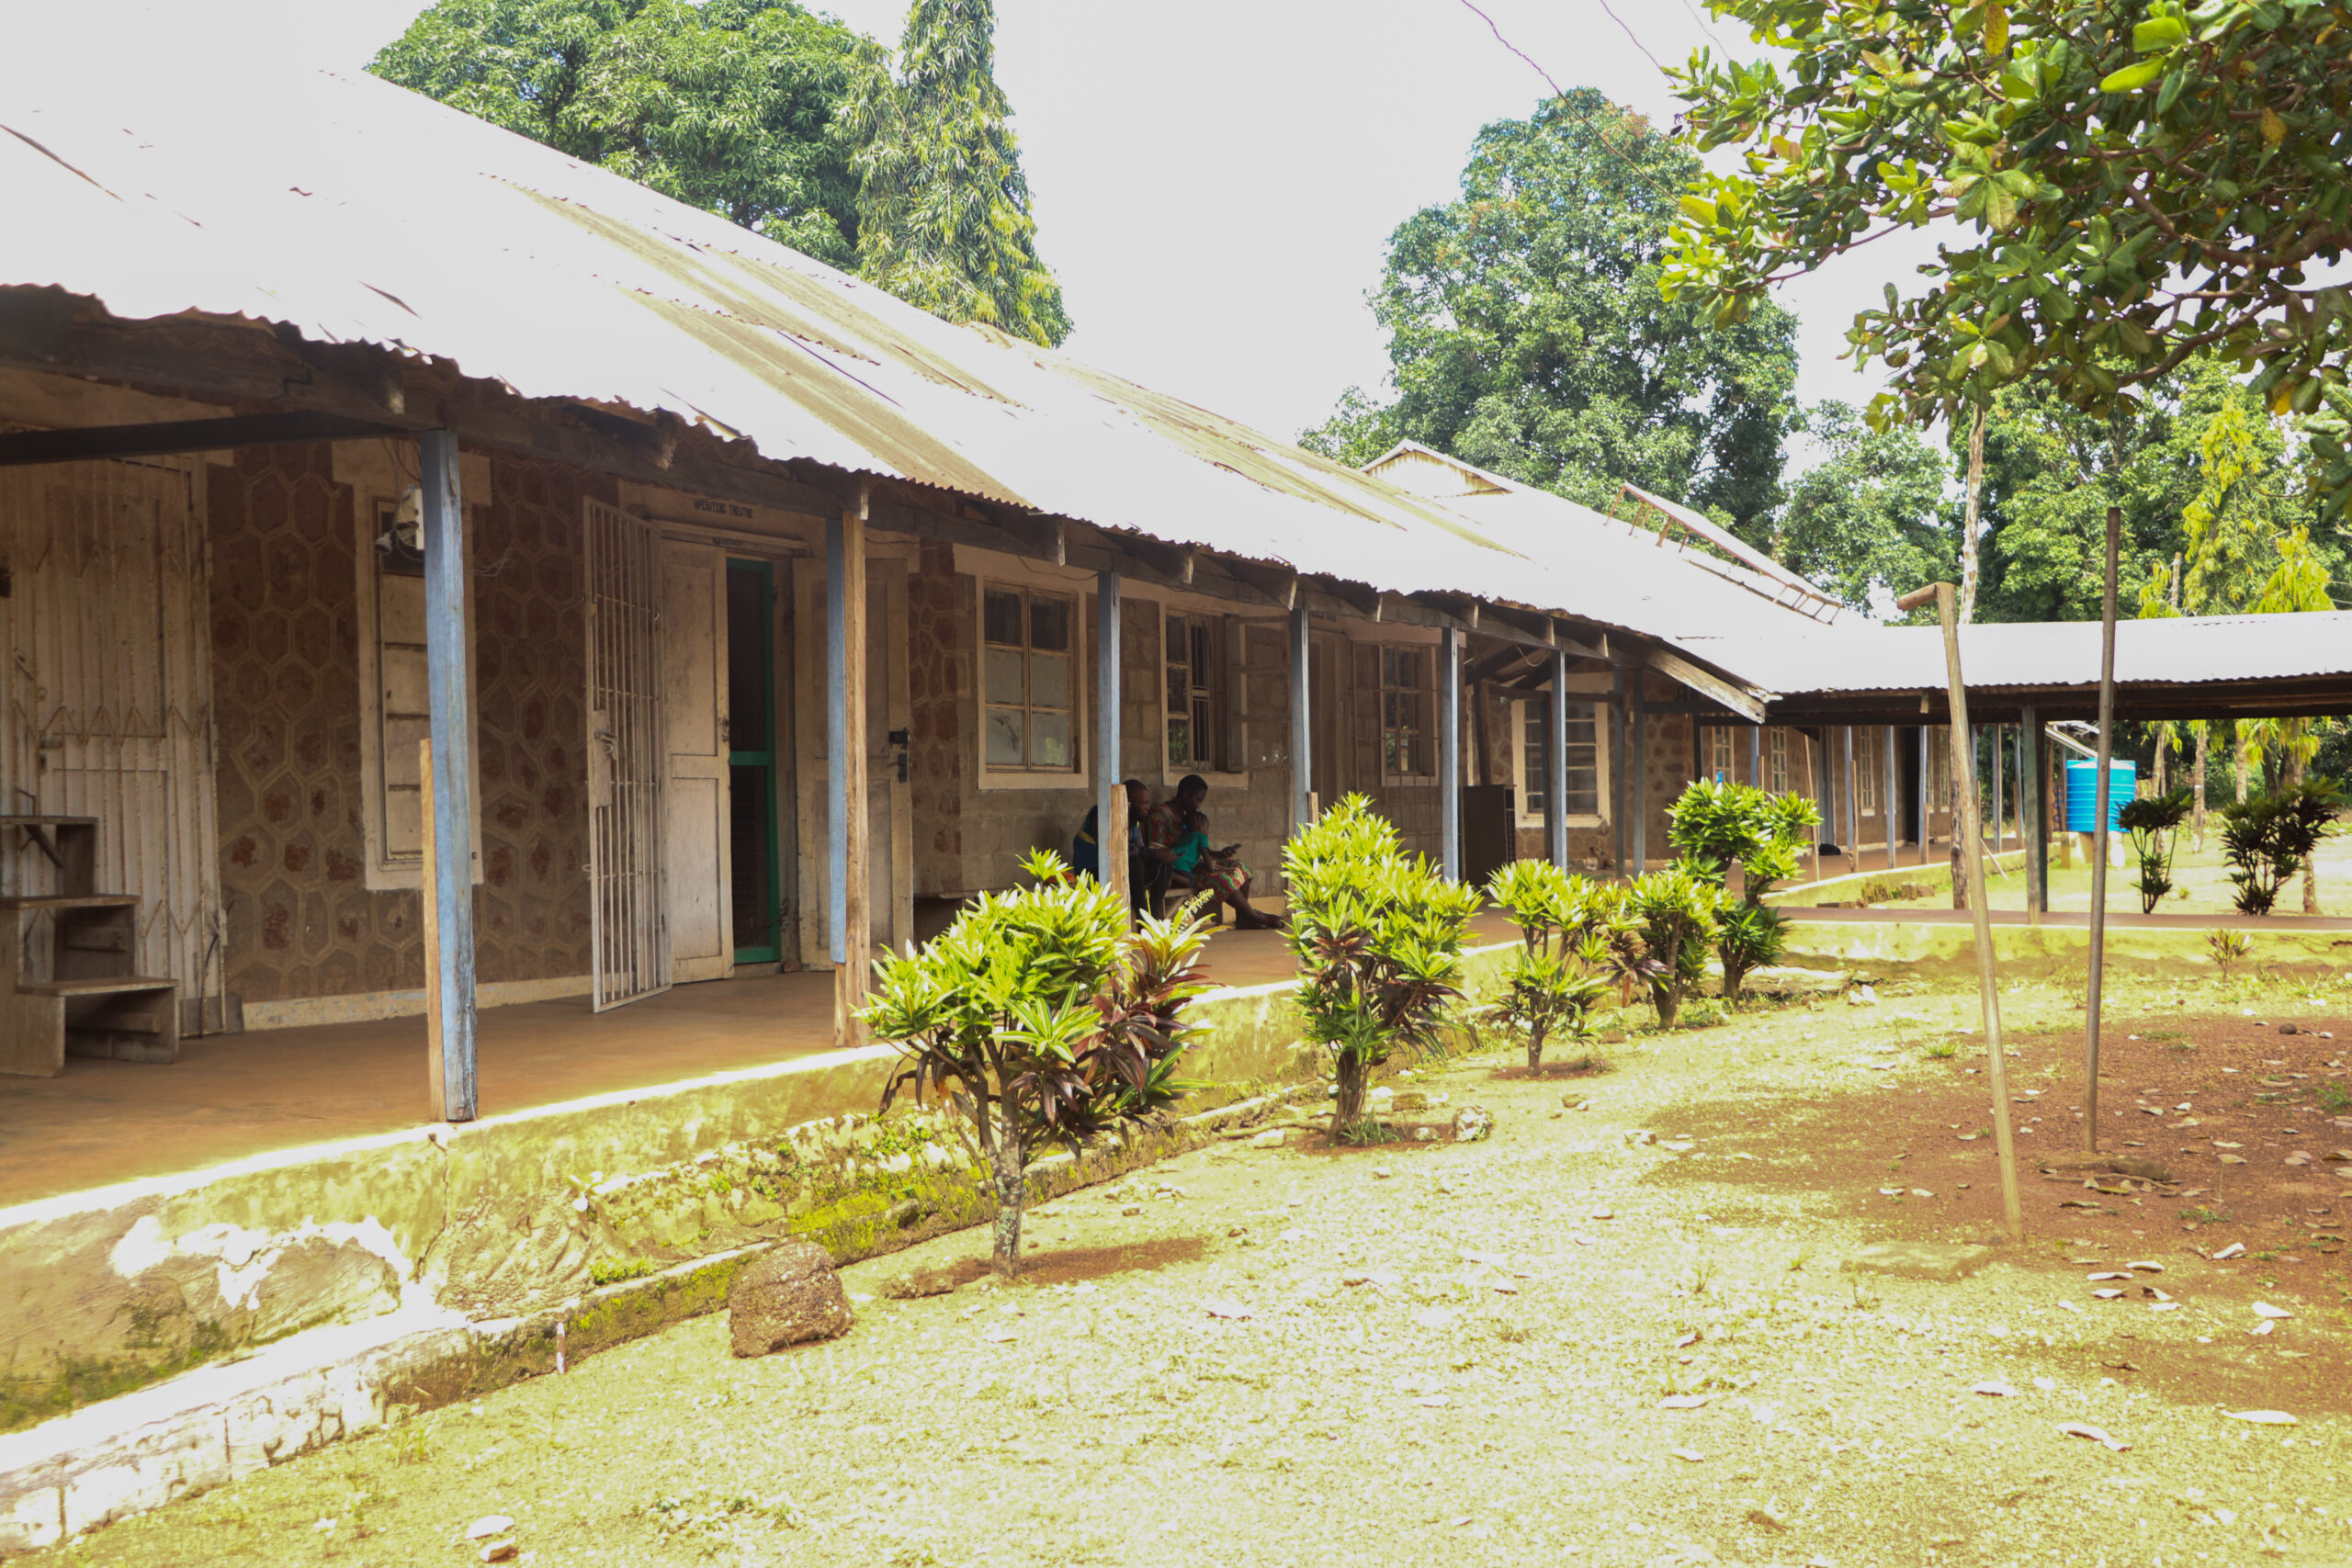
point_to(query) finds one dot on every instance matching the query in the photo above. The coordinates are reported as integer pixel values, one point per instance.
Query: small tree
(1043, 1019)
(1558, 970)
(2154, 821)
(1717, 826)
(2268, 840)
(1679, 908)
(1378, 937)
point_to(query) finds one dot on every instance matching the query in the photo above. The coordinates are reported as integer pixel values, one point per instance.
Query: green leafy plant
(1717, 826)
(1378, 934)
(1679, 909)
(2269, 839)
(1561, 965)
(1042, 1020)
(2229, 949)
(2153, 822)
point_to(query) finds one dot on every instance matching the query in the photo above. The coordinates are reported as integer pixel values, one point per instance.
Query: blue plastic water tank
(2082, 788)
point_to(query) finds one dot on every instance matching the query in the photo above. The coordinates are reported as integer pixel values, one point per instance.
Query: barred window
(1406, 737)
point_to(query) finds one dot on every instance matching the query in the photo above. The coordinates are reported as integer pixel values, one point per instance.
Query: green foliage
(2229, 949)
(2270, 837)
(2128, 196)
(1717, 825)
(1563, 962)
(728, 105)
(2153, 822)
(943, 206)
(1043, 1019)
(1377, 935)
(1679, 909)
(1528, 334)
(1871, 513)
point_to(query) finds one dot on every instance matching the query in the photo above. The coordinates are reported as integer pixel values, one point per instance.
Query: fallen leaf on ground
(2260, 1417)
(1689, 1456)
(2263, 1309)
(489, 1525)
(1682, 1402)
(1228, 1309)
(1995, 1390)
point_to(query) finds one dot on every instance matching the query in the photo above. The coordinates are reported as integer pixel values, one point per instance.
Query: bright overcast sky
(1215, 181)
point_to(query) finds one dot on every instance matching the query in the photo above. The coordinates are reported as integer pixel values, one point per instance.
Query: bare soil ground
(1616, 1334)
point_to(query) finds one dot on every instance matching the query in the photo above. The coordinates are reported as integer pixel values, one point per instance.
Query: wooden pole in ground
(1555, 764)
(2099, 835)
(1968, 830)
(1449, 753)
(1889, 811)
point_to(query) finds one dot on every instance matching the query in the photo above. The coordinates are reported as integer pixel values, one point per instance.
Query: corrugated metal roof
(2177, 650)
(353, 210)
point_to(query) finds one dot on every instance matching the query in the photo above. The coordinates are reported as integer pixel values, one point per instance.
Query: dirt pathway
(1570, 1344)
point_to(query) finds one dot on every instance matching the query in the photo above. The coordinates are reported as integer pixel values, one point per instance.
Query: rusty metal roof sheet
(352, 210)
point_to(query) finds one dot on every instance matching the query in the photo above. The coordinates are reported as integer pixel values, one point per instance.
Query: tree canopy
(1529, 334)
(2129, 184)
(727, 104)
(943, 207)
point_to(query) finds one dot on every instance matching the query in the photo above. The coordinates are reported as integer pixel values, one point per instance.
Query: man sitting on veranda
(1163, 836)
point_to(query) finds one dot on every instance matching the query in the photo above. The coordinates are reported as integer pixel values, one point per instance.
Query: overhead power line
(1561, 93)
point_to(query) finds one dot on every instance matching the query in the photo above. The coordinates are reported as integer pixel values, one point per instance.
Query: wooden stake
(852, 827)
(1967, 832)
(2099, 835)
(436, 1093)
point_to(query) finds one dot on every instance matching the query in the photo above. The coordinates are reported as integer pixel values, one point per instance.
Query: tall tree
(1868, 520)
(943, 207)
(1527, 334)
(2133, 182)
(727, 104)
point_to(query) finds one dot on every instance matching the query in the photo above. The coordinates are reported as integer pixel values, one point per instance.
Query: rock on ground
(787, 1297)
(1472, 1123)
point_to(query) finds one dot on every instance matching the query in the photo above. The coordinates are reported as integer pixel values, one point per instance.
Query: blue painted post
(1449, 751)
(1637, 787)
(1555, 763)
(449, 701)
(1755, 755)
(1617, 764)
(848, 823)
(1890, 806)
(1110, 785)
(836, 737)
(1927, 832)
(1301, 725)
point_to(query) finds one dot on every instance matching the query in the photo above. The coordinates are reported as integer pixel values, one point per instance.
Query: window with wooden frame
(1866, 770)
(1779, 749)
(1531, 757)
(1028, 680)
(394, 711)
(1192, 649)
(1720, 766)
(1408, 712)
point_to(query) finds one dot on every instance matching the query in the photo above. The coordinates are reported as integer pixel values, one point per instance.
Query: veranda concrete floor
(233, 1096)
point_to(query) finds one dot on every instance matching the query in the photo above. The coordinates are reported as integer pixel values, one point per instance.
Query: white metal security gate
(110, 712)
(627, 756)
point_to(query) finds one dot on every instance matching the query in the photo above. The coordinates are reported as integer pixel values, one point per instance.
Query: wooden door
(697, 853)
(109, 695)
(625, 763)
(1327, 716)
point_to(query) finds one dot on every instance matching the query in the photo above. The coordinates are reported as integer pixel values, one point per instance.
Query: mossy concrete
(2059, 951)
(113, 1289)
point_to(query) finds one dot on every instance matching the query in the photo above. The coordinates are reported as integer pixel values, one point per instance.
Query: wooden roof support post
(1449, 751)
(1967, 832)
(1302, 725)
(848, 820)
(2033, 817)
(2099, 835)
(1926, 826)
(1853, 804)
(449, 881)
(1110, 780)
(1890, 799)
(1755, 756)
(2000, 763)
(1617, 768)
(1556, 763)
(1637, 803)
